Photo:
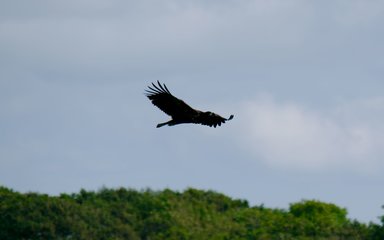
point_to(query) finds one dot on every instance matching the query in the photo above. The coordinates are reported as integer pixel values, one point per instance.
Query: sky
(303, 78)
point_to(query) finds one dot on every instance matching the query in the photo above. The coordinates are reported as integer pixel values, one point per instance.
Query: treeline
(192, 214)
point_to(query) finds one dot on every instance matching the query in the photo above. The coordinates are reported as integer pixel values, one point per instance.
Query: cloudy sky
(303, 78)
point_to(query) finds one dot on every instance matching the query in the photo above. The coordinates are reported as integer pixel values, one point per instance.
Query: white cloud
(288, 135)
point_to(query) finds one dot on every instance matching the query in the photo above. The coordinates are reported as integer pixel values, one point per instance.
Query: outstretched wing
(162, 98)
(212, 119)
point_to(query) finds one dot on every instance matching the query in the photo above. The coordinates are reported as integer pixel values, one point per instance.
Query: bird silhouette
(180, 112)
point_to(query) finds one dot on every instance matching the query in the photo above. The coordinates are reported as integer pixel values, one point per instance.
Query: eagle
(180, 112)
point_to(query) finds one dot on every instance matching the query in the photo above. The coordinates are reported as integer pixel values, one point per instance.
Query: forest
(191, 214)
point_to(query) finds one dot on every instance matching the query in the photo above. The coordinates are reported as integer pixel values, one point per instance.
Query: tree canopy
(192, 214)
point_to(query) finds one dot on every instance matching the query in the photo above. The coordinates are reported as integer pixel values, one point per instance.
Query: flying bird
(180, 112)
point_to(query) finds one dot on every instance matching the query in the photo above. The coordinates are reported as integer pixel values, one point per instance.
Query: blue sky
(303, 79)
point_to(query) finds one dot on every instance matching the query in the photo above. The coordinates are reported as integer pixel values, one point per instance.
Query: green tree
(193, 214)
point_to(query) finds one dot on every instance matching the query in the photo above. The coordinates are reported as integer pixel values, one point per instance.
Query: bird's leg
(166, 123)
(161, 124)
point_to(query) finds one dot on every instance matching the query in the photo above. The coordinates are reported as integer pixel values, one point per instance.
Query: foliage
(192, 214)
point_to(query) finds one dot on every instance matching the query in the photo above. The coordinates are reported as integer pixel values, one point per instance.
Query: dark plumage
(180, 112)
